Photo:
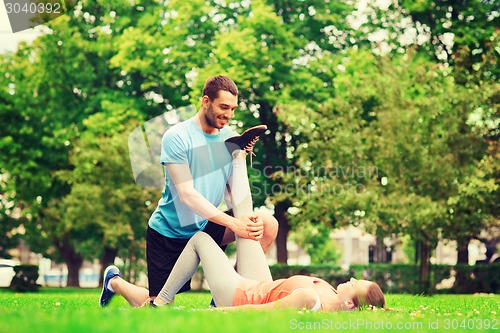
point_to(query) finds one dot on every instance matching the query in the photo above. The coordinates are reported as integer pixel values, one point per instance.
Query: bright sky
(8, 39)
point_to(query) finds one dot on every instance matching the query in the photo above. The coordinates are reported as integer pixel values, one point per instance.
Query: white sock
(154, 302)
(109, 286)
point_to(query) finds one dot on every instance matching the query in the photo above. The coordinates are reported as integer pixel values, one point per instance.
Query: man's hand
(256, 229)
(249, 226)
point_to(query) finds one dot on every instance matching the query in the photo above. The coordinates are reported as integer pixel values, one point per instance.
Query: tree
(332, 108)
(102, 180)
(382, 151)
(7, 224)
(316, 241)
(268, 69)
(48, 101)
(460, 32)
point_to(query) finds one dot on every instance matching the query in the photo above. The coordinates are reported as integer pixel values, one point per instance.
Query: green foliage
(474, 200)
(397, 137)
(408, 248)
(316, 241)
(390, 149)
(10, 236)
(25, 278)
(102, 179)
(64, 94)
(472, 24)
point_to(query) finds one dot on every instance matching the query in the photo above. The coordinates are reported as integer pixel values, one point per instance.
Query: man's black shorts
(162, 253)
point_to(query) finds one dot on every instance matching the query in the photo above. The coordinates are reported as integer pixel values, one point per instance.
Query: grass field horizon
(77, 310)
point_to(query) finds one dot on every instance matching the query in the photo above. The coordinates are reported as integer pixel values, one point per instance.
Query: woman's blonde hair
(374, 297)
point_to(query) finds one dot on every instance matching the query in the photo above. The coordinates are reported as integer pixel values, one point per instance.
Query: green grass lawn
(76, 310)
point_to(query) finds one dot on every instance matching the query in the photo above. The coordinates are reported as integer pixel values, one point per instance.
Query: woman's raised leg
(250, 258)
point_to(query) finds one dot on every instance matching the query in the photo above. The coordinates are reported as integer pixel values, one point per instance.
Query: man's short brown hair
(217, 83)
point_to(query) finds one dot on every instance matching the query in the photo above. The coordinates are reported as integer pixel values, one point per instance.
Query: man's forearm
(204, 208)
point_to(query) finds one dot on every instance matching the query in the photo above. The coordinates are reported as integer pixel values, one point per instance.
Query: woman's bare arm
(300, 299)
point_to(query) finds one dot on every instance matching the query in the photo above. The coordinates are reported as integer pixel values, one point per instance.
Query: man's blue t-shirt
(210, 166)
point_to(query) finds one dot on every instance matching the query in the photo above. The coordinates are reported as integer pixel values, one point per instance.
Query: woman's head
(358, 293)
(370, 294)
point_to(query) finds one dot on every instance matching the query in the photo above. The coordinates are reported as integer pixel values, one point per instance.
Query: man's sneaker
(106, 294)
(245, 141)
(212, 303)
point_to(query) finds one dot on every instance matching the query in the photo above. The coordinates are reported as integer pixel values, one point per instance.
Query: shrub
(395, 278)
(403, 278)
(478, 278)
(25, 278)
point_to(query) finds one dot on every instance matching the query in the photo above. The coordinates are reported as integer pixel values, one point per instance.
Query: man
(198, 168)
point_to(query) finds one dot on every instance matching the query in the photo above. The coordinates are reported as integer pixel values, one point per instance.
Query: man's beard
(211, 119)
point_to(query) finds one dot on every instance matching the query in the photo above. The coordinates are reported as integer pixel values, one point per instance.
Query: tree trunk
(417, 252)
(425, 266)
(107, 259)
(463, 251)
(379, 253)
(72, 260)
(462, 259)
(131, 259)
(73, 272)
(283, 229)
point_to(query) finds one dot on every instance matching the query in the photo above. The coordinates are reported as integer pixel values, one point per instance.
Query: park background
(382, 116)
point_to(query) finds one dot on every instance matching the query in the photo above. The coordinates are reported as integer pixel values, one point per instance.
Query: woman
(252, 286)
(231, 290)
